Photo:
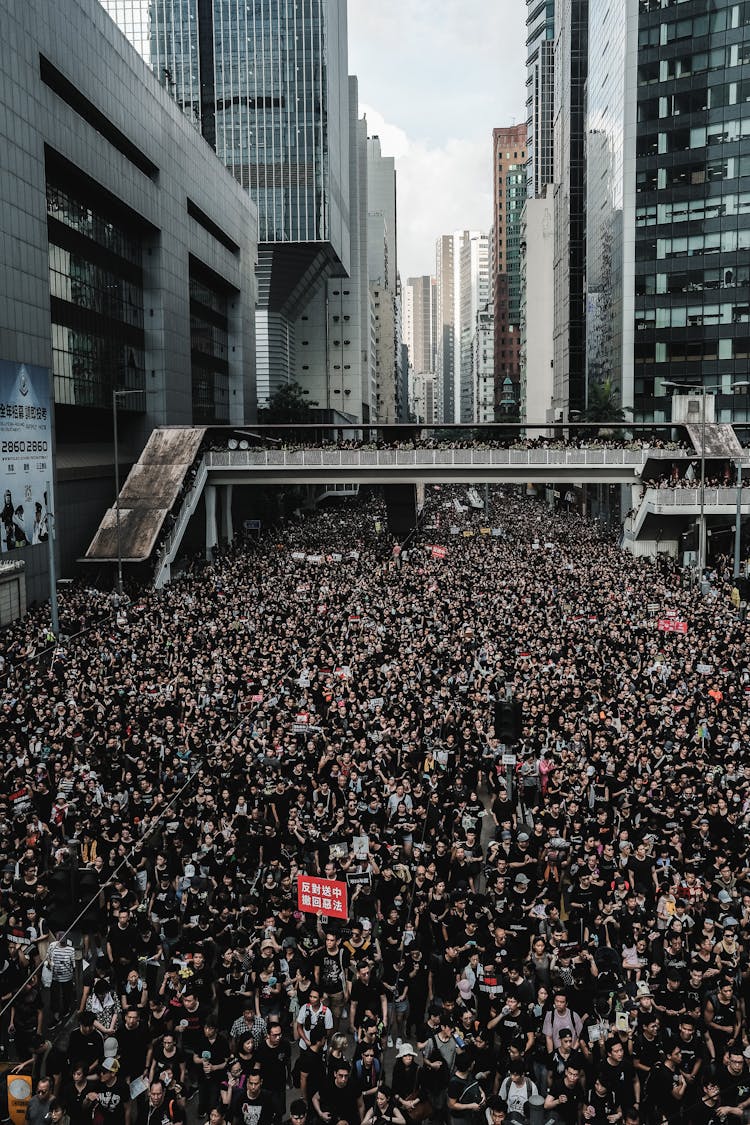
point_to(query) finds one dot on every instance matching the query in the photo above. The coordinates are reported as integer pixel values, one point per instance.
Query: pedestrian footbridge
(183, 469)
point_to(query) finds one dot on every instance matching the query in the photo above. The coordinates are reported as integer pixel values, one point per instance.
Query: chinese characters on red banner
(321, 895)
(671, 625)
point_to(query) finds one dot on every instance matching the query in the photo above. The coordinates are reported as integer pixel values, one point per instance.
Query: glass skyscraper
(265, 81)
(692, 213)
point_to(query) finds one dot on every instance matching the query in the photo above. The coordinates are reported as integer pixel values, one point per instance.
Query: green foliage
(604, 403)
(287, 407)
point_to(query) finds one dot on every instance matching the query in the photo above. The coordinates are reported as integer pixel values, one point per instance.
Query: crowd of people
(606, 437)
(536, 797)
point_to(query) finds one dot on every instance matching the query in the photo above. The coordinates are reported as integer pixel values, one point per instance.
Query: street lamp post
(115, 396)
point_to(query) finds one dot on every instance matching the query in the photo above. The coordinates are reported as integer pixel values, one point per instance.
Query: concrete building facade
(129, 255)
(537, 308)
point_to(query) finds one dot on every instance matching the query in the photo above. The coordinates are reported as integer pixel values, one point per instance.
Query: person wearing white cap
(110, 1096)
(406, 1084)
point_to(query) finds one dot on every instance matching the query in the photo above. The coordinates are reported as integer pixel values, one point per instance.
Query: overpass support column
(227, 528)
(209, 493)
(401, 506)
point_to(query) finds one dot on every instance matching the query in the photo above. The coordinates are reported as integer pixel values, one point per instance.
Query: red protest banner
(671, 625)
(327, 896)
(439, 552)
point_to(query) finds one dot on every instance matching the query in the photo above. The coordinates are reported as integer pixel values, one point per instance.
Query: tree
(604, 403)
(288, 406)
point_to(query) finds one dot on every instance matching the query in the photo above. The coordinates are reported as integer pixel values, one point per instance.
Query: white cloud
(435, 77)
(440, 188)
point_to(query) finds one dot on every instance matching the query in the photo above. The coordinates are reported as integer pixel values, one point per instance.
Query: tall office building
(571, 65)
(540, 94)
(509, 194)
(474, 295)
(266, 84)
(692, 204)
(382, 266)
(668, 220)
(333, 362)
(610, 194)
(420, 297)
(463, 287)
(445, 328)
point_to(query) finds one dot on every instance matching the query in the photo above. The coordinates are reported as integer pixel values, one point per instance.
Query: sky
(435, 78)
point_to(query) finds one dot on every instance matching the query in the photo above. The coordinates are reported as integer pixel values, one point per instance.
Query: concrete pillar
(227, 528)
(209, 494)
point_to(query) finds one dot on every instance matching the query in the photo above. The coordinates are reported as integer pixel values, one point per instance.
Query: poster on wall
(25, 454)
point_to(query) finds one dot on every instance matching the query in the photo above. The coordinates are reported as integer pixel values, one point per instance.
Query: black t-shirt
(661, 1083)
(332, 969)
(274, 1065)
(109, 1108)
(85, 1048)
(341, 1103)
(567, 1111)
(367, 998)
(254, 1111)
(76, 1106)
(619, 1079)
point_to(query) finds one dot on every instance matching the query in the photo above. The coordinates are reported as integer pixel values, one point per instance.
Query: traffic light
(507, 721)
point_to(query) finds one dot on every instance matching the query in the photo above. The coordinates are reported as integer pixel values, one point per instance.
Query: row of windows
(691, 316)
(692, 281)
(693, 210)
(680, 350)
(87, 367)
(89, 286)
(715, 242)
(693, 99)
(207, 296)
(736, 16)
(62, 205)
(683, 66)
(700, 137)
(702, 172)
(210, 397)
(660, 34)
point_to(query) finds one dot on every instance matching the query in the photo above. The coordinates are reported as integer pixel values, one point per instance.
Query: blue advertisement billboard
(25, 454)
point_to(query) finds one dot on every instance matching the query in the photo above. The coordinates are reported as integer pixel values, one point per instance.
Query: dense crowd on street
(536, 792)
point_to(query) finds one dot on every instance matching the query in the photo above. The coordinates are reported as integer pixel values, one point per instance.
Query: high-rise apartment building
(571, 66)
(483, 364)
(540, 94)
(509, 194)
(266, 84)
